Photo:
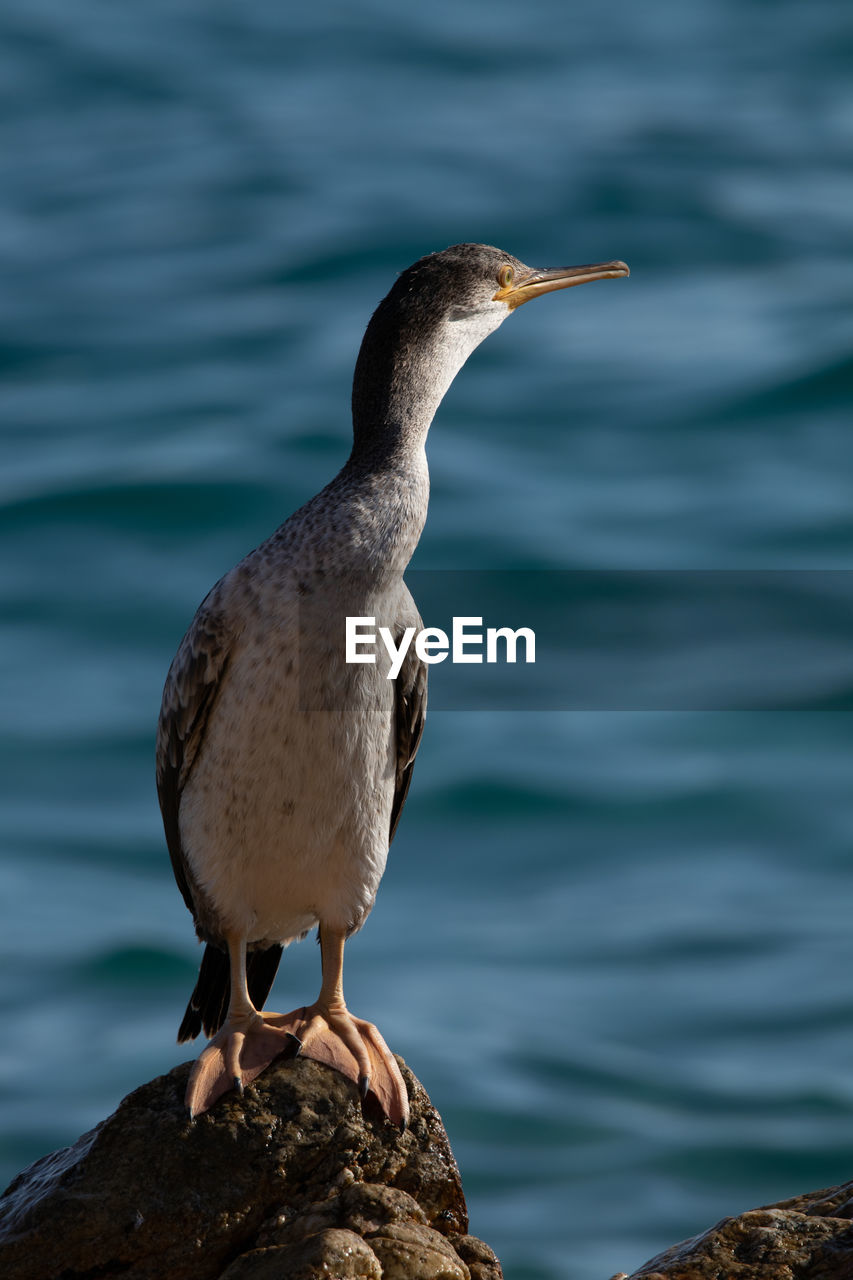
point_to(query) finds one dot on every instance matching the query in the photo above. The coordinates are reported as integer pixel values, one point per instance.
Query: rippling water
(615, 945)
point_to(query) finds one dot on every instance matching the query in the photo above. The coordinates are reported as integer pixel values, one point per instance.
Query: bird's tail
(209, 1001)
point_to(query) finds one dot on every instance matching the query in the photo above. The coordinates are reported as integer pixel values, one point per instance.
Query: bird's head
(479, 284)
(441, 308)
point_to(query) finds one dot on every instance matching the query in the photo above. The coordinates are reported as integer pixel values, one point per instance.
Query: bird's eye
(505, 276)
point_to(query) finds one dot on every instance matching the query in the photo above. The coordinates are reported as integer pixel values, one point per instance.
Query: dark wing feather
(192, 684)
(410, 714)
(191, 687)
(208, 1003)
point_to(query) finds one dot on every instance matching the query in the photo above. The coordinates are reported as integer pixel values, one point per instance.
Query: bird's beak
(537, 282)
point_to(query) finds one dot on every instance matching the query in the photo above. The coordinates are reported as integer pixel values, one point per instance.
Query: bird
(282, 769)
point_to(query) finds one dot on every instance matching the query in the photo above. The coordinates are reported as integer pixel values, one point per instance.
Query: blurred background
(614, 945)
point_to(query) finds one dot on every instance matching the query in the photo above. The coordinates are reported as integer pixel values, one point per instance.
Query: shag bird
(282, 769)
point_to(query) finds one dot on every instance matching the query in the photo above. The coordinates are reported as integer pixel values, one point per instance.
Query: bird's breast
(286, 814)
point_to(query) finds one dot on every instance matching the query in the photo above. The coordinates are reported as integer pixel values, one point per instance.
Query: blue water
(615, 945)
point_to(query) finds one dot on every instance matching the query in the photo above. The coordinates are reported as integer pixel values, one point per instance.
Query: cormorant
(282, 769)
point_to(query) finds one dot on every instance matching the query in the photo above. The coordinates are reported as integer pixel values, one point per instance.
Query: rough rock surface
(807, 1238)
(290, 1181)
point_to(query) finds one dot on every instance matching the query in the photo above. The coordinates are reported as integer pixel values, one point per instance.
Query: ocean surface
(614, 939)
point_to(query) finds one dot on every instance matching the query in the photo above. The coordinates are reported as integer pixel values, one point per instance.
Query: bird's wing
(194, 678)
(410, 714)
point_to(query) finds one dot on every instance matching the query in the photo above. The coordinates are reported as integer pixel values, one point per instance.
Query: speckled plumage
(289, 758)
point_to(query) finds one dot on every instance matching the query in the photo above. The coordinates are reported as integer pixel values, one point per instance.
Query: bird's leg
(329, 1033)
(246, 1044)
(326, 1031)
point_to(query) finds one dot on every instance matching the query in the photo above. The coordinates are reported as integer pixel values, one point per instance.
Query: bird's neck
(393, 403)
(404, 368)
(383, 498)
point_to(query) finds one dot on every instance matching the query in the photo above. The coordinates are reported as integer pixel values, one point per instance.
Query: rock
(291, 1180)
(332, 1252)
(409, 1252)
(807, 1238)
